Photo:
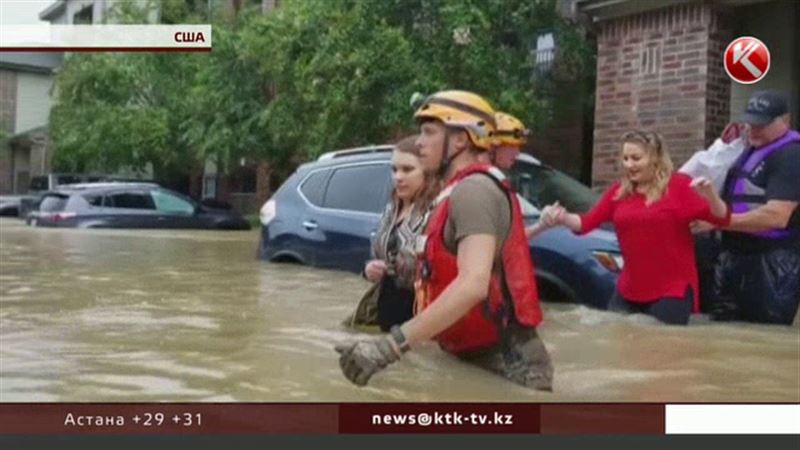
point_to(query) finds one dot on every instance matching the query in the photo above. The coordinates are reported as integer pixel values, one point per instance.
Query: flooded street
(157, 315)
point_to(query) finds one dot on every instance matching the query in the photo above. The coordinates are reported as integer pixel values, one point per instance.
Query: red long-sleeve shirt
(655, 240)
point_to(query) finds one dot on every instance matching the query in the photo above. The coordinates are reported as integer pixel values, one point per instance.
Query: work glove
(526, 360)
(360, 360)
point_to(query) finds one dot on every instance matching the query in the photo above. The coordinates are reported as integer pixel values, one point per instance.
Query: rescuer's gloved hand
(360, 360)
(526, 360)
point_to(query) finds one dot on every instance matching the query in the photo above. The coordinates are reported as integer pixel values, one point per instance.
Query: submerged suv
(327, 212)
(128, 205)
(41, 184)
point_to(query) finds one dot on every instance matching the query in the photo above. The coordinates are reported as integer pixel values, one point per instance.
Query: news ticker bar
(48, 37)
(396, 418)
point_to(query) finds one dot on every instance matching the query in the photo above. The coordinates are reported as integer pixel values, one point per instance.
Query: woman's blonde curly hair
(652, 144)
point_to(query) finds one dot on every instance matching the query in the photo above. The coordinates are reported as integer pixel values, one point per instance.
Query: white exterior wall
(33, 101)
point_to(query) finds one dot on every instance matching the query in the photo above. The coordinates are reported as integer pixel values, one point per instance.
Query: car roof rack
(356, 151)
(105, 184)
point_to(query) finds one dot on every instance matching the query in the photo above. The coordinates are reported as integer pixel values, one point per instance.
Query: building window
(210, 186)
(246, 177)
(544, 53)
(650, 60)
(22, 181)
(83, 17)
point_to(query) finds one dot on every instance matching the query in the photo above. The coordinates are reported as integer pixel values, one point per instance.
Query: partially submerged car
(128, 205)
(9, 205)
(40, 184)
(327, 212)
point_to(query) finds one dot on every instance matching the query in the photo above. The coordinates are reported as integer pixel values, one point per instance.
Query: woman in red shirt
(651, 208)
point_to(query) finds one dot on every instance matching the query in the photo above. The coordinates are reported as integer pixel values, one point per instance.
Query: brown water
(136, 315)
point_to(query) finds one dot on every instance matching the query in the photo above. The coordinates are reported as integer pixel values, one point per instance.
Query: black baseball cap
(764, 107)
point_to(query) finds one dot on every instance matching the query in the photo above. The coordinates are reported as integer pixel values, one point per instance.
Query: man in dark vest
(757, 276)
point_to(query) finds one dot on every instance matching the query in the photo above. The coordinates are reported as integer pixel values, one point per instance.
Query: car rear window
(38, 184)
(313, 188)
(94, 199)
(53, 203)
(358, 188)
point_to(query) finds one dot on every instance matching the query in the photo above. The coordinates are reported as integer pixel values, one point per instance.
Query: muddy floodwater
(158, 315)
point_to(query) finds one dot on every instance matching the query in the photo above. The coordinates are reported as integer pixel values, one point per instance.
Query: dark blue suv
(325, 214)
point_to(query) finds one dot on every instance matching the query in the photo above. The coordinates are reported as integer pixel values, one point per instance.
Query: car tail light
(58, 217)
(613, 262)
(268, 212)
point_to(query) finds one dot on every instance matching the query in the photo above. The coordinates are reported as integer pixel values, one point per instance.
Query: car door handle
(310, 225)
(373, 233)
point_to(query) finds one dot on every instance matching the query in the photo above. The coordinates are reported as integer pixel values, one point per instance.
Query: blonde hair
(653, 145)
(431, 184)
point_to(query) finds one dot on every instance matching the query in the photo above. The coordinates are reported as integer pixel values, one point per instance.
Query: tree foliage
(312, 76)
(115, 111)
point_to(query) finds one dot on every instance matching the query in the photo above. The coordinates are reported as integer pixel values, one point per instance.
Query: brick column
(660, 70)
(263, 175)
(8, 112)
(40, 154)
(196, 174)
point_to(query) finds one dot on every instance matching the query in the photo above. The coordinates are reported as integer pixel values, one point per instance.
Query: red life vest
(437, 268)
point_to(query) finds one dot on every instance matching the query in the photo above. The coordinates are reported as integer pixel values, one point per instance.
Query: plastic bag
(365, 317)
(714, 162)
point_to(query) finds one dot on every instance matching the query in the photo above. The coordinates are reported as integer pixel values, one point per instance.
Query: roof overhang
(51, 12)
(27, 137)
(594, 11)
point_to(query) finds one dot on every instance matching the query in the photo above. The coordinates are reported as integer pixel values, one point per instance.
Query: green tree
(170, 111)
(343, 70)
(122, 110)
(226, 103)
(341, 74)
(312, 76)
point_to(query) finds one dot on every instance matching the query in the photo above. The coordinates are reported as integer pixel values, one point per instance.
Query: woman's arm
(375, 268)
(600, 213)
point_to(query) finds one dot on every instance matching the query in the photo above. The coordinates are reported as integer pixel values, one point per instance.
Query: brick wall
(8, 108)
(562, 146)
(8, 100)
(660, 70)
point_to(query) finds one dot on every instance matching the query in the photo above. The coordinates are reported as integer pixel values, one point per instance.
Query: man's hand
(361, 359)
(552, 215)
(731, 132)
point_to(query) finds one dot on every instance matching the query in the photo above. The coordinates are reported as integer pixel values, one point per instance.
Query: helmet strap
(446, 159)
(445, 163)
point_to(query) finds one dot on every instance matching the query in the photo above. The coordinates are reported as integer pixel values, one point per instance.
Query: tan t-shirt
(477, 206)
